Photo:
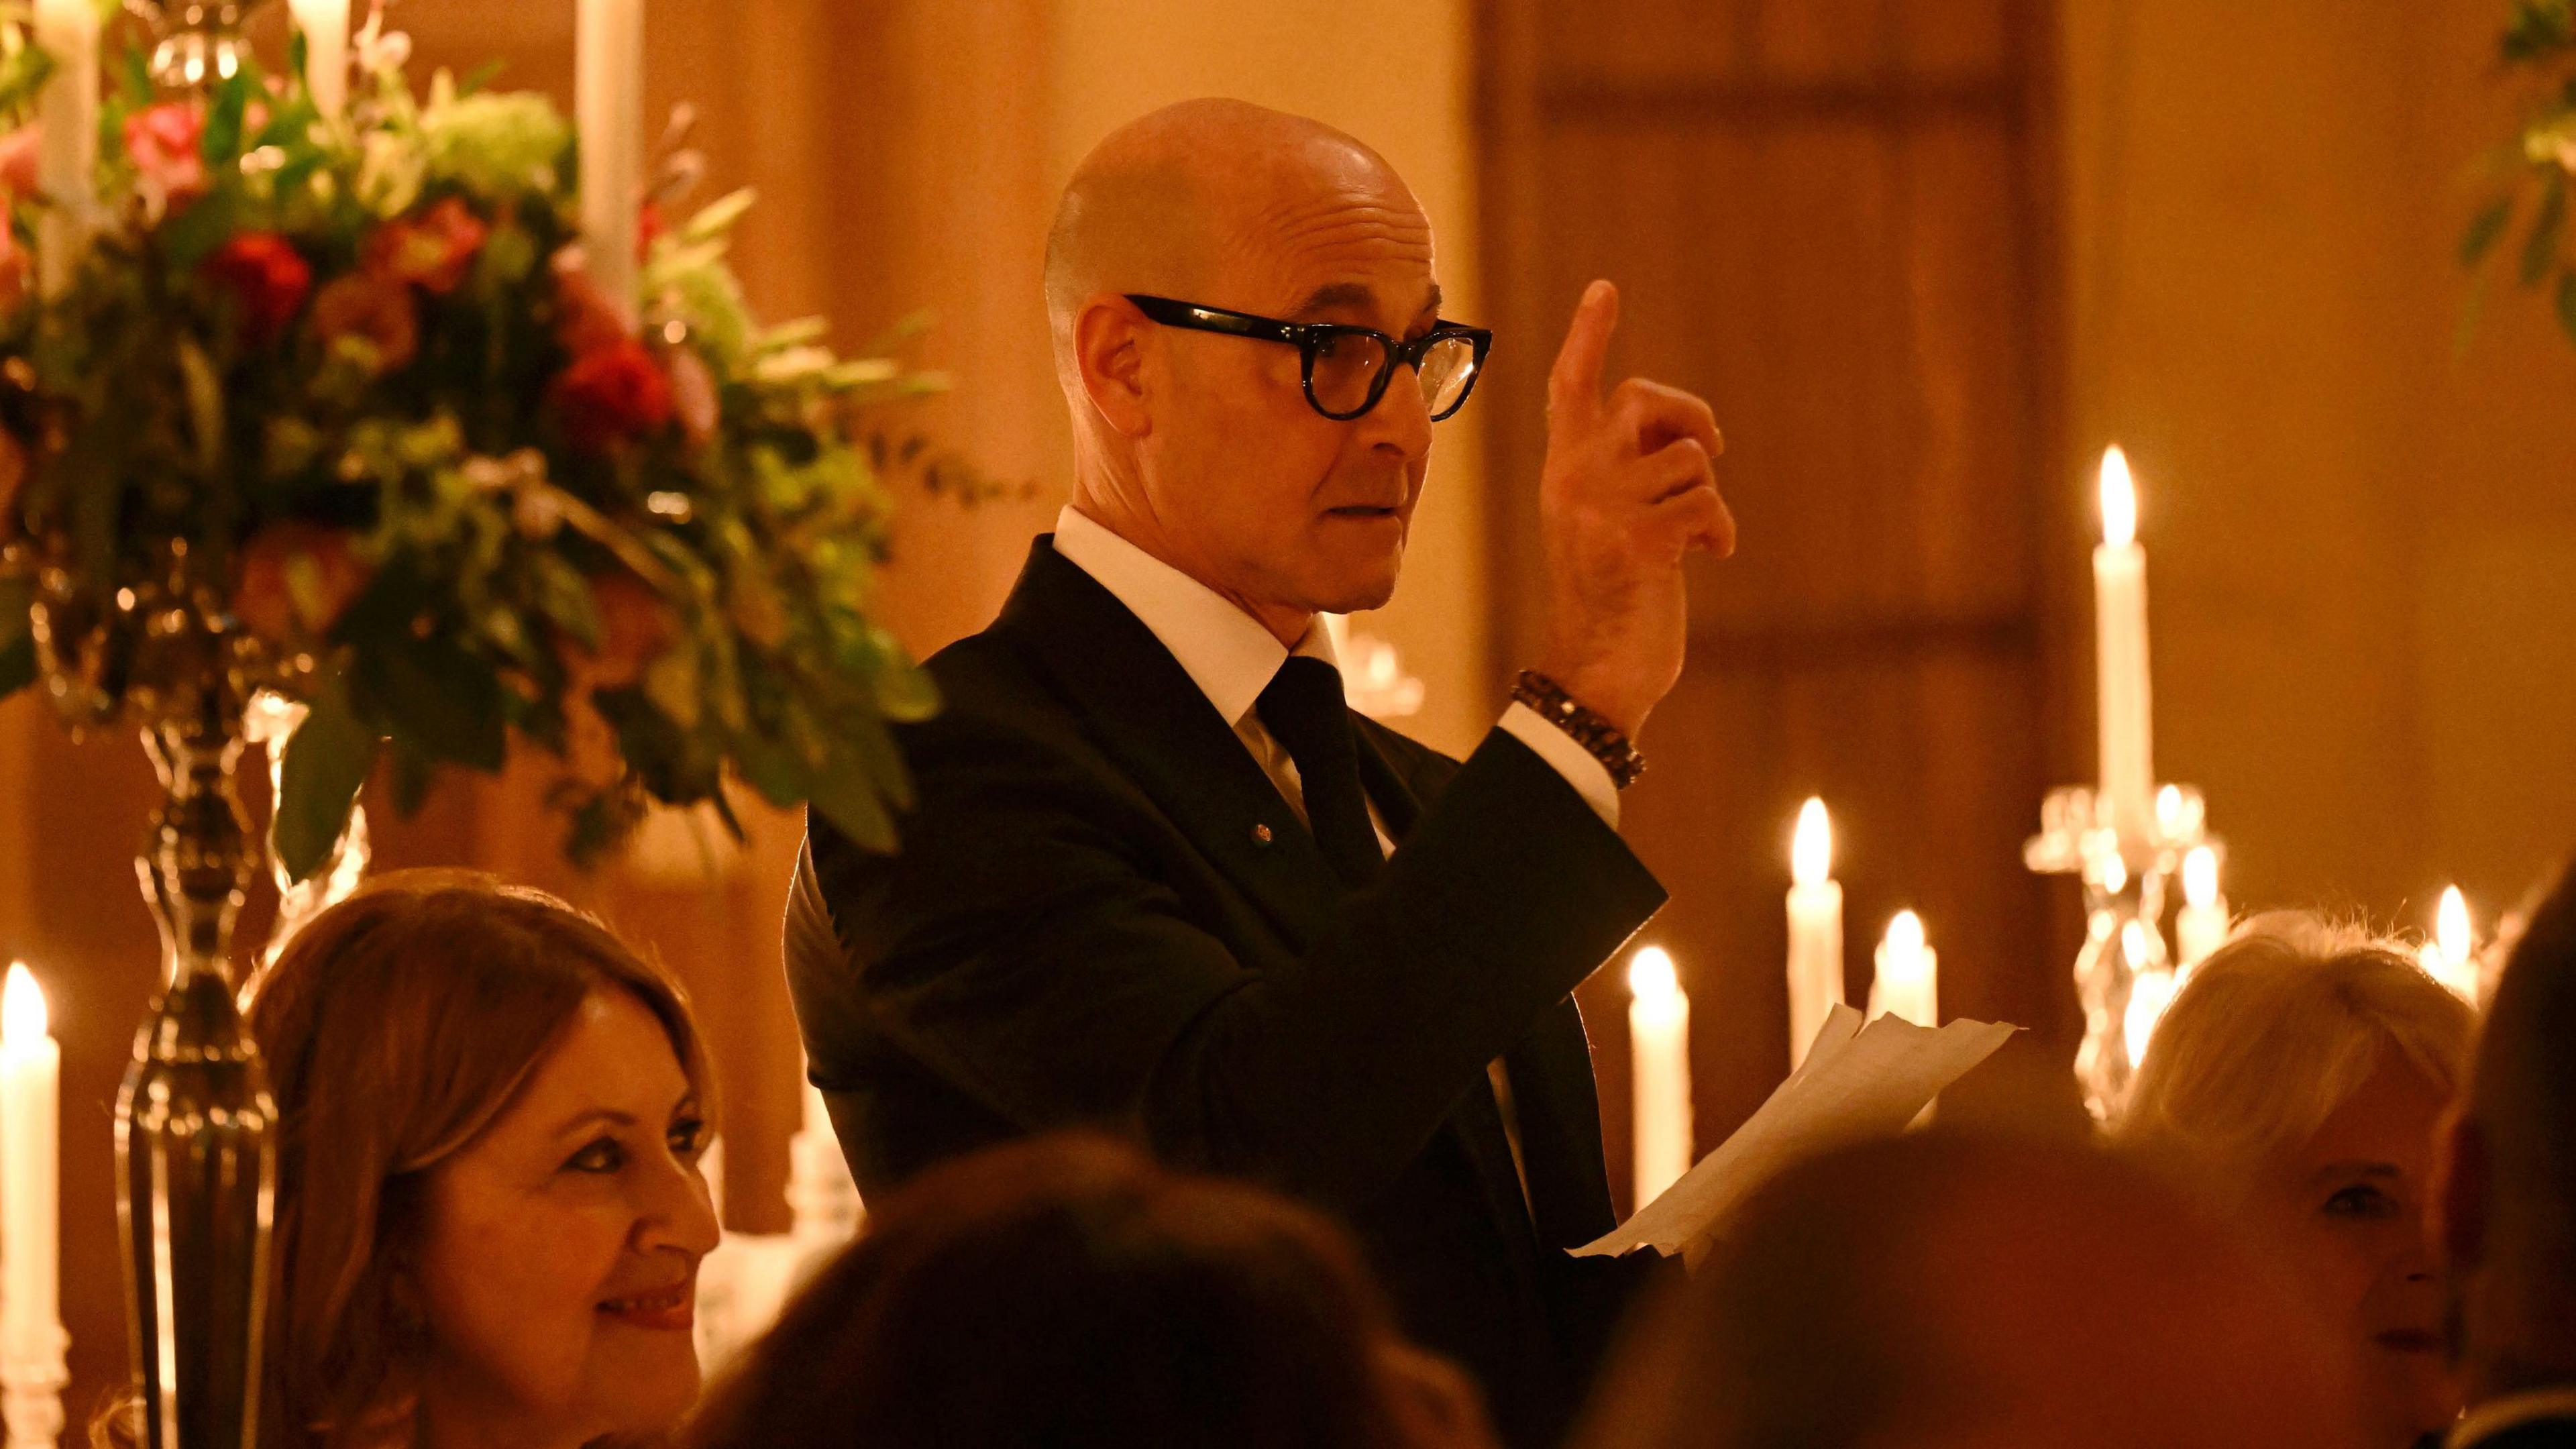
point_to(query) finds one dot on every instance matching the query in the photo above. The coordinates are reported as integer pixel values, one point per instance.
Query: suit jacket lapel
(1149, 715)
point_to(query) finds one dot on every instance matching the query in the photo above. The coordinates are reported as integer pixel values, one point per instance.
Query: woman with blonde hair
(2300, 1073)
(489, 1209)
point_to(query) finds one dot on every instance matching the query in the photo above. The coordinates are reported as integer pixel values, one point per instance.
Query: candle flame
(2451, 927)
(1811, 850)
(2115, 873)
(1651, 976)
(22, 1008)
(1905, 934)
(2200, 877)
(2119, 499)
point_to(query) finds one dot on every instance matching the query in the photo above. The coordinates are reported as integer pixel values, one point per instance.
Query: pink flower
(267, 277)
(19, 159)
(163, 142)
(431, 251)
(612, 395)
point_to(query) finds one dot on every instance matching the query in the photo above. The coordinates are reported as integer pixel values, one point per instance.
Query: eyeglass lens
(1347, 366)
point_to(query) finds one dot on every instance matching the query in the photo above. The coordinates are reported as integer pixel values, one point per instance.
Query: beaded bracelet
(1600, 738)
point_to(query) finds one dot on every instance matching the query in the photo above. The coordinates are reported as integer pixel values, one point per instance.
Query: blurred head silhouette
(1066, 1291)
(1940, 1290)
(2505, 1210)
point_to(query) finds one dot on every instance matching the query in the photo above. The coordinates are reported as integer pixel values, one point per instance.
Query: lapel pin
(1260, 834)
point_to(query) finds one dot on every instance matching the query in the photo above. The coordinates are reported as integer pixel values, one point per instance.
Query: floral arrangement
(2539, 47)
(345, 383)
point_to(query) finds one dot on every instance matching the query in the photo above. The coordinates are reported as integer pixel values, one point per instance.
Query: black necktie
(1303, 708)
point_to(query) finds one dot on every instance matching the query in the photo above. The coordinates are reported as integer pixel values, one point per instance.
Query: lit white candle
(325, 24)
(609, 106)
(2200, 927)
(1908, 984)
(1659, 1043)
(67, 155)
(2452, 956)
(2120, 660)
(31, 1330)
(1815, 930)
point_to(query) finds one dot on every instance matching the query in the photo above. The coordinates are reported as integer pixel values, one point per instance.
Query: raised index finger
(1574, 384)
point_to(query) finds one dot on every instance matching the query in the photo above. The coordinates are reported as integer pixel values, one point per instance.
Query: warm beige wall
(2363, 554)
(1394, 75)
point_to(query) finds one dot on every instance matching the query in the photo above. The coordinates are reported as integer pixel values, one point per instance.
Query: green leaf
(205, 394)
(2567, 302)
(443, 702)
(2483, 230)
(327, 760)
(2540, 249)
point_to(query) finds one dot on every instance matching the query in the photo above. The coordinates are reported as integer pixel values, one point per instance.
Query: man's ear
(1109, 346)
(2458, 1209)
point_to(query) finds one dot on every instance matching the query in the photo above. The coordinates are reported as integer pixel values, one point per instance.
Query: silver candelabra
(2125, 872)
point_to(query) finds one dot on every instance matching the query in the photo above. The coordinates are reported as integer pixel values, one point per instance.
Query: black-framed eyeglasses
(1346, 369)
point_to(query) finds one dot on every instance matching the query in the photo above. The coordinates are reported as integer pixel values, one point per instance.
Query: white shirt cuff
(1589, 777)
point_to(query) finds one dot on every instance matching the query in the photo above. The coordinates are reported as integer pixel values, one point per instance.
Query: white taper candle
(1815, 930)
(2127, 743)
(1659, 1045)
(67, 155)
(609, 106)
(325, 24)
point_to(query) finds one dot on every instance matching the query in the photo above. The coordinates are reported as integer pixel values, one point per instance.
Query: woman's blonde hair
(2276, 1028)
(396, 1027)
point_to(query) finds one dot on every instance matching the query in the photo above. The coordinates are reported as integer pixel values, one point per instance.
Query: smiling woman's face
(559, 1253)
(2351, 1205)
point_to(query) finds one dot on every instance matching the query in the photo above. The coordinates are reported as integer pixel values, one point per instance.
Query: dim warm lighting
(1811, 850)
(2200, 878)
(1651, 976)
(2119, 499)
(22, 1007)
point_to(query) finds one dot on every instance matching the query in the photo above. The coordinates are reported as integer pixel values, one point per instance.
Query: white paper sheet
(1858, 1081)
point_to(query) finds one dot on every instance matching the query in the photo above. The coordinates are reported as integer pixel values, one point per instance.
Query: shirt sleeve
(1589, 777)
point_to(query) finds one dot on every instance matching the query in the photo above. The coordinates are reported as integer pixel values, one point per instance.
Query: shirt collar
(2512, 1411)
(1228, 654)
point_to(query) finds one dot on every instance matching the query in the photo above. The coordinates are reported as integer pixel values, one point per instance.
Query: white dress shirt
(1232, 656)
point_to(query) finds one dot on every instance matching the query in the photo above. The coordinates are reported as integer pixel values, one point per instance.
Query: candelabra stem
(195, 1126)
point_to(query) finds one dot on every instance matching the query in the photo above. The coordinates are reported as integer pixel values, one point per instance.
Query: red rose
(163, 142)
(648, 229)
(297, 579)
(431, 251)
(584, 322)
(611, 395)
(267, 278)
(376, 308)
(20, 168)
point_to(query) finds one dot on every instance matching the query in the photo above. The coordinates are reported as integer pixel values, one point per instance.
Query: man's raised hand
(1628, 490)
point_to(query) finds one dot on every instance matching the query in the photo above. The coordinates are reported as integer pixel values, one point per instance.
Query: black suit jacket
(1104, 914)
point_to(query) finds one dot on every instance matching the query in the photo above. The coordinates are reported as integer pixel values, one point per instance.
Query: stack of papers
(1858, 1081)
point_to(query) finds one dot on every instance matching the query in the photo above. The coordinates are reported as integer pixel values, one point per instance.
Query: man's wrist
(1599, 736)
